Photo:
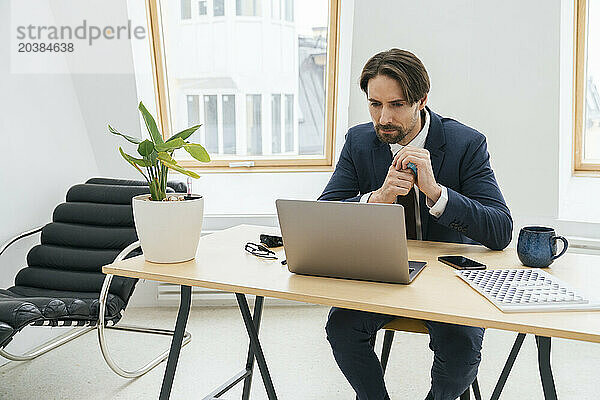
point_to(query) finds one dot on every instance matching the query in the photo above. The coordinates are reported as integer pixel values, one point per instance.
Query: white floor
(299, 359)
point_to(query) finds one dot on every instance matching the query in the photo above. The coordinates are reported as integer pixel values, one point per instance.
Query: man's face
(395, 120)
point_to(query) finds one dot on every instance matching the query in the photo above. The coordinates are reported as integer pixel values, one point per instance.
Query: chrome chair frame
(100, 325)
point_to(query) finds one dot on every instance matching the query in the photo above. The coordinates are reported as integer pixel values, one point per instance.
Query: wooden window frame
(290, 164)
(580, 167)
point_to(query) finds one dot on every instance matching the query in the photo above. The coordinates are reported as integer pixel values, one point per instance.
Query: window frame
(580, 166)
(238, 164)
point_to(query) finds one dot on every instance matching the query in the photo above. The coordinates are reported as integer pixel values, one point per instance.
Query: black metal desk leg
(255, 344)
(543, 345)
(258, 305)
(387, 347)
(508, 366)
(182, 317)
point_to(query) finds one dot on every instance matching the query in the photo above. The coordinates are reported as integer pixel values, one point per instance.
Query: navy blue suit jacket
(476, 211)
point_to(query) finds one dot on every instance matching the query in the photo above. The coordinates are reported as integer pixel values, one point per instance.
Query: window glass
(202, 10)
(229, 131)
(311, 127)
(186, 9)
(591, 128)
(258, 86)
(218, 8)
(276, 9)
(247, 7)
(211, 133)
(289, 10)
(254, 124)
(193, 110)
(276, 123)
(289, 122)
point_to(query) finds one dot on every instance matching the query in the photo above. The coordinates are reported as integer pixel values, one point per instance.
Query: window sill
(586, 174)
(258, 169)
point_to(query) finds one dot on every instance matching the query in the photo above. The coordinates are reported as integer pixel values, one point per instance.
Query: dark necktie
(409, 204)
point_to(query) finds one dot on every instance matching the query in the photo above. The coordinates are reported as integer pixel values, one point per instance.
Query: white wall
(110, 98)
(46, 150)
(55, 127)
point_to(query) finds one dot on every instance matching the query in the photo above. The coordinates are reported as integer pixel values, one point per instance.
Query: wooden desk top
(436, 294)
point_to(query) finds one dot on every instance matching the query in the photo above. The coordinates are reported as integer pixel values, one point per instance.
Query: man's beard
(392, 138)
(400, 133)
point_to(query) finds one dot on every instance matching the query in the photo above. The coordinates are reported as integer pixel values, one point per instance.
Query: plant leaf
(146, 148)
(164, 156)
(179, 169)
(133, 160)
(131, 139)
(186, 133)
(151, 125)
(170, 146)
(153, 157)
(197, 151)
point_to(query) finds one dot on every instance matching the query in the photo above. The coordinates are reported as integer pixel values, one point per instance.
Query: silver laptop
(346, 240)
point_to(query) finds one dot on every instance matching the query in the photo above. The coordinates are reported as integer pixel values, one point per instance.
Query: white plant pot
(169, 231)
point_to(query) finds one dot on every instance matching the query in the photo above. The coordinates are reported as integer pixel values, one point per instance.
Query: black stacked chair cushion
(13, 314)
(63, 277)
(172, 186)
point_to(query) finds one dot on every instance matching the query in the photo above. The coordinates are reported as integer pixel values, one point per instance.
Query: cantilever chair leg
(101, 326)
(46, 347)
(85, 326)
(104, 348)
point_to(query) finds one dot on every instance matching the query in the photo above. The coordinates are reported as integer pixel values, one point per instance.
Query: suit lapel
(435, 143)
(382, 159)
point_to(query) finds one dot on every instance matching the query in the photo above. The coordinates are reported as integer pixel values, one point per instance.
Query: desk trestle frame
(252, 323)
(543, 345)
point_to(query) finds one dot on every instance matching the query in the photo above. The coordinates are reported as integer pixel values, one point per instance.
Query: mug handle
(565, 246)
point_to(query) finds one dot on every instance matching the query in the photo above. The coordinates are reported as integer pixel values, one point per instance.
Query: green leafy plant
(157, 154)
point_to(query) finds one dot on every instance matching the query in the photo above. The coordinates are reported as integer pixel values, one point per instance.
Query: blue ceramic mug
(537, 246)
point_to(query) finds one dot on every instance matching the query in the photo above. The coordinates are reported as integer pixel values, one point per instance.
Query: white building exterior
(232, 65)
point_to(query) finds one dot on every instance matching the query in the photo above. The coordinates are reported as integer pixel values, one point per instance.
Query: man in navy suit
(439, 170)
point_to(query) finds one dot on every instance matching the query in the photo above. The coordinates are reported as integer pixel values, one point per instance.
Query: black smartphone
(461, 262)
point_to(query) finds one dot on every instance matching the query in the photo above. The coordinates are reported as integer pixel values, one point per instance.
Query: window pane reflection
(211, 141)
(254, 124)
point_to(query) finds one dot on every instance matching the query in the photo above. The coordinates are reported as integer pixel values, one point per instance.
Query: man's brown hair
(401, 65)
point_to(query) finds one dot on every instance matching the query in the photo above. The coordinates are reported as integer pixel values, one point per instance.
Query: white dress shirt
(439, 207)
